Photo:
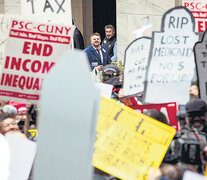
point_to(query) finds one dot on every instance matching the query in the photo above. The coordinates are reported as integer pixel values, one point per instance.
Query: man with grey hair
(110, 42)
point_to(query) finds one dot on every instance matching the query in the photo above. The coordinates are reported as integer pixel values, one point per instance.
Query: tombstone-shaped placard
(67, 122)
(172, 65)
(200, 50)
(136, 60)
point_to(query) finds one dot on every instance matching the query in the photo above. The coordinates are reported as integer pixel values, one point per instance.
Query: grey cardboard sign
(67, 122)
(200, 50)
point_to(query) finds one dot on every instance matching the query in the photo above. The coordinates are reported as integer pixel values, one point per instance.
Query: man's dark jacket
(109, 44)
(95, 59)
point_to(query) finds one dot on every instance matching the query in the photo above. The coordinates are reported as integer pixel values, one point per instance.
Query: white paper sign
(5, 157)
(105, 89)
(135, 65)
(55, 11)
(188, 175)
(172, 65)
(32, 49)
(22, 154)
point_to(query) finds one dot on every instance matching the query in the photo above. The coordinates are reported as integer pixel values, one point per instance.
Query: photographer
(189, 145)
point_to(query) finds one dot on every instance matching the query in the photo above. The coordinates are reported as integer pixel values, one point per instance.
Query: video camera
(184, 150)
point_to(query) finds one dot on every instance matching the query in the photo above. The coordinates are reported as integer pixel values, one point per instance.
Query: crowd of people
(188, 150)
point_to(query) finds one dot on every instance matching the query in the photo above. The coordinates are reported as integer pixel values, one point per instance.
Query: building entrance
(104, 12)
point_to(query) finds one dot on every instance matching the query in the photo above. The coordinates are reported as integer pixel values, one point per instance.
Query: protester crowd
(191, 137)
(188, 150)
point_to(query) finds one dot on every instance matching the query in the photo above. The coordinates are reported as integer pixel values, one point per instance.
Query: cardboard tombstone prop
(171, 62)
(200, 51)
(135, 65)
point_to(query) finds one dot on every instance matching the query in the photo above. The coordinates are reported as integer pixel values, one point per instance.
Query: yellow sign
(129, 143)
(33, 132)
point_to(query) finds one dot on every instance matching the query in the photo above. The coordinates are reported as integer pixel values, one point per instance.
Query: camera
(184, 150)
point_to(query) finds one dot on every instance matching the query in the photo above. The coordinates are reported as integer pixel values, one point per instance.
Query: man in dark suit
(97, 55)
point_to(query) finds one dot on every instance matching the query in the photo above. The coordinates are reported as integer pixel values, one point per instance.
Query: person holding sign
(98, 55)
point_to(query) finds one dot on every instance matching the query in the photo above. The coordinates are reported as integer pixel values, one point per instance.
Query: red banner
(169, 109)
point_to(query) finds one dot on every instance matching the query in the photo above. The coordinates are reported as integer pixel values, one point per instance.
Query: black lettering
(171, 22)
(162, 42)
(48, 5)
(184, 21)
(32, 4)
(60, 6)
(204, 54)
(117, 115)
(139, 125)
(178, 19)
(204, 63)
(180, 66)
(185, 38)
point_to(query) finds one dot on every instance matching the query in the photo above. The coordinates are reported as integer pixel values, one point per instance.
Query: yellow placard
(33, 132)
(129, 143)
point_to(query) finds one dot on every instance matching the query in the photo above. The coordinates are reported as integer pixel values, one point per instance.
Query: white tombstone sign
(135, 65)
(171, 62)
(67, 122)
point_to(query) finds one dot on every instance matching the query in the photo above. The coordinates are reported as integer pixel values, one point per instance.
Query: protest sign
(32, 49)
(199, 10)
(171, 62)
(4, 156)
(200, 50)
(55, 11)
(169, 109)
(22, 153)
(105, 89)
(129, 143)
(67, 125)
(135, 65)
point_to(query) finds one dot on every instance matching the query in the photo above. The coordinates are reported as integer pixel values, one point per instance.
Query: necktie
(99, 54)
